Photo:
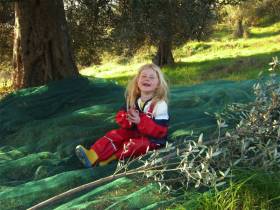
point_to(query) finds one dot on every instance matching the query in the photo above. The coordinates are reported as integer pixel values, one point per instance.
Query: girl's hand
(133, 116)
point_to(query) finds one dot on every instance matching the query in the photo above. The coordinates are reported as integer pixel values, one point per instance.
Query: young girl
(143, 122)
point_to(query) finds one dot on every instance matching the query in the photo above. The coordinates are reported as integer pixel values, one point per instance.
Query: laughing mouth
(146, 84)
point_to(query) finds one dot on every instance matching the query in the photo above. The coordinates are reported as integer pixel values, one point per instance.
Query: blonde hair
(133, 92)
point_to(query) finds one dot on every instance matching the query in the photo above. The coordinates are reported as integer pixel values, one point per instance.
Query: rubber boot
(106, 162)
(87, 157)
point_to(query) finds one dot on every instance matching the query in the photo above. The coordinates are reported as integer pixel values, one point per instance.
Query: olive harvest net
(40, 128)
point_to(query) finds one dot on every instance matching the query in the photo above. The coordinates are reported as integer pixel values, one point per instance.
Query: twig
(88, 186)
(91, 185)
(81, 188)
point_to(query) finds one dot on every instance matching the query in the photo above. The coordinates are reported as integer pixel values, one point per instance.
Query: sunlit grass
(259, 190)
(119, 69)
(5, 88)
(5, 79)
(250, 190)
(220, 57)
(119, 73)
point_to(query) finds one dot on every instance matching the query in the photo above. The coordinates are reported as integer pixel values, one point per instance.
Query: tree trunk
(42, 47)
(239, 29)
(164, 54)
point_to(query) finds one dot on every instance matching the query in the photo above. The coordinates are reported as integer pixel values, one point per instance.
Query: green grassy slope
(40, 127)
(221, 57)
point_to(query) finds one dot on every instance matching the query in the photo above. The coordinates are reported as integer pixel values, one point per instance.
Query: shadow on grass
(246, 67)
(222, 33)
(264, 35)
(189, 73)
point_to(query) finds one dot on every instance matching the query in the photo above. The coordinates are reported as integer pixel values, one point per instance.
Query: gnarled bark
(42, 47)
(164, 54)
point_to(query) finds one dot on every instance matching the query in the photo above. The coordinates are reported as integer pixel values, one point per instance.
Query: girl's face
(148, 81)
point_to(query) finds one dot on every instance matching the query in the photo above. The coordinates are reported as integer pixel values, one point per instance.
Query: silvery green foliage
(197, 165)
(191, 163)
(255, 142)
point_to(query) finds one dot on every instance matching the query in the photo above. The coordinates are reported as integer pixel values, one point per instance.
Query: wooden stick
(79, 189)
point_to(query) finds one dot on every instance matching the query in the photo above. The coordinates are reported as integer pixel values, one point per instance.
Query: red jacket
(154, 120)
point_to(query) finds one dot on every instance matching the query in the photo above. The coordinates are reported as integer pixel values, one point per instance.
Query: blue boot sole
(82, 156)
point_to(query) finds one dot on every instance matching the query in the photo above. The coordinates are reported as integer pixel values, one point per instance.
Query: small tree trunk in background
(42, 47)
(164, 54)
(239, 29)
(246, 32)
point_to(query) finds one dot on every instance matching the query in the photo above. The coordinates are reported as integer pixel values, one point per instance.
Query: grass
(250, 190)
(5, 79)
(221, 57)
(257, 191)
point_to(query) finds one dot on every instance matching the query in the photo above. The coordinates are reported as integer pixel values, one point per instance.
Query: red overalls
(130, 140)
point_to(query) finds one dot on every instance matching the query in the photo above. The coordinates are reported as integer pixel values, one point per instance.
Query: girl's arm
(150, 127)
(157, 127)
(121, 119)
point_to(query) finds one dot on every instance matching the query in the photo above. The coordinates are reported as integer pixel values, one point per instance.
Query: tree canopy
(89, 24)
(118, 27)
(162, 24)
(124, 26)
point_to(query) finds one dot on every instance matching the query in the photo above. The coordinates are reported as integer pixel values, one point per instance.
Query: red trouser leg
(112, 142)
(135, 147)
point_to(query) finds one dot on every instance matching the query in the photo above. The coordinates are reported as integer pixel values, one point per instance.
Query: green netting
(189, 104)
(115, 196)
(40, 128)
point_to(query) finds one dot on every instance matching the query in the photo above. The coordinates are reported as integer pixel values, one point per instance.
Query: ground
(40, 128)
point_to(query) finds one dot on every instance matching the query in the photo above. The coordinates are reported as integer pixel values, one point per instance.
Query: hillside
(220, 57)
(40, 128)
